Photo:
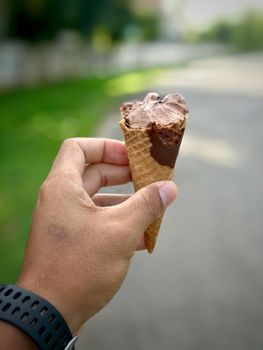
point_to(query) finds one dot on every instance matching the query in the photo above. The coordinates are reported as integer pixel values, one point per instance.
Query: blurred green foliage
(36, 20)
(42, 19)
(148, 24)
(244, 34)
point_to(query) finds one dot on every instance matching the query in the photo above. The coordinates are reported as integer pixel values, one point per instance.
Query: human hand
(81, 243)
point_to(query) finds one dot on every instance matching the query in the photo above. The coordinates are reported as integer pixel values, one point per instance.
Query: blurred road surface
(202, 288)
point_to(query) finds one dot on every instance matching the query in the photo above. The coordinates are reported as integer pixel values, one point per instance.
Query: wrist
(54, 296)
(12, 337)
(36, 317)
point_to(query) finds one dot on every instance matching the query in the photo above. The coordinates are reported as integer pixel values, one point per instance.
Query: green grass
(33, 123)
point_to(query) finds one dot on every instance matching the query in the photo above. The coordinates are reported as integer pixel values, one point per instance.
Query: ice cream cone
(145, 169)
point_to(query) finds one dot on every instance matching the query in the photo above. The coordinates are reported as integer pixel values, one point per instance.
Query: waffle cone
(145, 170)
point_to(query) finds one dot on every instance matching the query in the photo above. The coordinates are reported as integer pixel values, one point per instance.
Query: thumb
(148, 203)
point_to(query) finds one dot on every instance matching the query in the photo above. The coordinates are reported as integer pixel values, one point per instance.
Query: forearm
(13, 338)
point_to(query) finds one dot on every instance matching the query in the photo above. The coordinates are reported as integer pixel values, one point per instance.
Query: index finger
(76, 153)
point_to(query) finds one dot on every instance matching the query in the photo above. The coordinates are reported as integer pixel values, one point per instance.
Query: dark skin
(85, 234)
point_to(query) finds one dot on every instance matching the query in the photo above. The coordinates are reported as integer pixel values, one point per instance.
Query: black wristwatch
(36, 317)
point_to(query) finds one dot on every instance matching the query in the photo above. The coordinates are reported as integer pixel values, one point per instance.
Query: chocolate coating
(161, 151)
(163, 119)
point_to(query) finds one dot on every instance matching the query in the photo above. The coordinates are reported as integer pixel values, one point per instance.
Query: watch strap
(35, 316)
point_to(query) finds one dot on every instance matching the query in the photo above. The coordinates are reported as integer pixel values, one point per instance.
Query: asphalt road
(202, 288)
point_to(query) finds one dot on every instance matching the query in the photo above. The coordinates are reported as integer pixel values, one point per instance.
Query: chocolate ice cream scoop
(164, 119)
(153, 109)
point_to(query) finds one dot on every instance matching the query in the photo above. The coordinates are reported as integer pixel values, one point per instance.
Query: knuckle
(145, 199)
(69, 142)
(150, 203)
(46, 190)
(97, 171)
(103, 179)
(51, 187)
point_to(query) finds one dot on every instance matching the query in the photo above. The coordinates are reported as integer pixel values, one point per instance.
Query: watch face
(71, 343)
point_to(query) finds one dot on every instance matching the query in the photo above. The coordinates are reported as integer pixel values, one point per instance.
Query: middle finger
(101, 175)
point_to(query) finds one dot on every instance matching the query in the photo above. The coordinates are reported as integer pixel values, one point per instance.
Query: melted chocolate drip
(165, 149)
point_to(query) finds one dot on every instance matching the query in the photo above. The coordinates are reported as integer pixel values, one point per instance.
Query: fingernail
(167, 193)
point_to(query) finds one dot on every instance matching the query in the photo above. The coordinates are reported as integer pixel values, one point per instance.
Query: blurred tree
(113, 15)
(29, 19)
(219, 31)
(245, 33)
(248, 33)
(4, 17)
(42, 19)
